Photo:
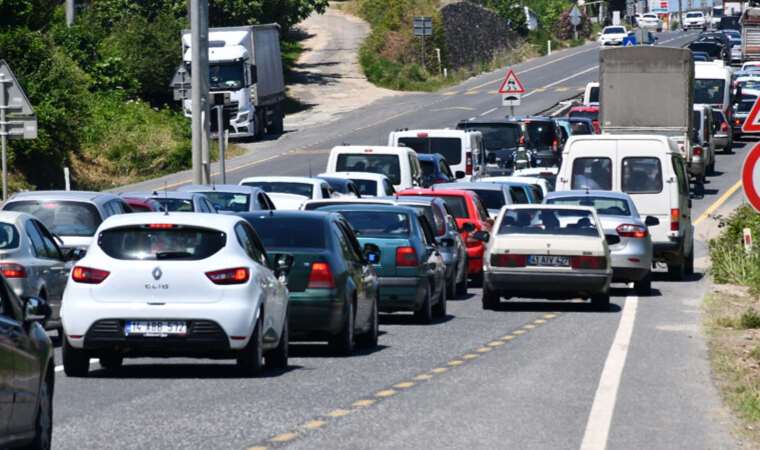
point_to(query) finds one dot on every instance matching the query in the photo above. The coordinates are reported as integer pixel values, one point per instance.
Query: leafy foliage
(565, 29)
(730, 262)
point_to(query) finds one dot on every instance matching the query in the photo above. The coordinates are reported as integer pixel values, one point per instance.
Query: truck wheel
(278, 120)
(259, 125)
(689, 265)
(76, 362)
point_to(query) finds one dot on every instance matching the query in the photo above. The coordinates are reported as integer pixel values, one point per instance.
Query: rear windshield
(366, 187)
(614, 30)
(179, 243)
(581, 128)
(378, 223)
(592, 173)
(282, 232)
(387, 165)
(748, 101)
(593, 95)
(708, 90)
(61, 218)
(304, 189)
(642, 175)
(449, 148)
(428, 168)
(694, 14)
(8, 236)
(518, 195)
(491, 199)
(498, 136)
(175, 204)
(604, 206)
(457, 206)
(566, 222)
(718, 116)
(228, 201)
(540, 134)
(593, 115)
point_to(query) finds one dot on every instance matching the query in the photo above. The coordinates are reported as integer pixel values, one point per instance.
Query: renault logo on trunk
(157, 273)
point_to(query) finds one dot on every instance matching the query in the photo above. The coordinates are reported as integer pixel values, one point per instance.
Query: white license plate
(155, 328)
(548, 260)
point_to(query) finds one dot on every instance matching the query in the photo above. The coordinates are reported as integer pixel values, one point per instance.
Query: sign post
(423, 28)
(17, 119)
(511, 91)
(575, 20)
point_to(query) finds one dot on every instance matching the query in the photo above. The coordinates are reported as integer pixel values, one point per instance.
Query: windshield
(9, 237)
(175, 204)
(174, 243)
(565, 222)
(367, 187)
(593, 115)
(449, 148)
(614, 30)
(604, 206)
(708, 90)
(387, 165)
(712, 49)
(540, 134)
(378, 223)
(304, 189)
(750, 84)
(457, 206)
(499, 136)
(491, 199)
(694, 14)
(61, 218)
(228, 201)
(225, 76)
(286, 232)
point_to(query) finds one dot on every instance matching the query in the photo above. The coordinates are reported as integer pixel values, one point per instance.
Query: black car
(27, 372)
(543, 138)
(435, 169)
(500, 138)
(715, 36)
(729, 23)
(714, 50)
(342, 185)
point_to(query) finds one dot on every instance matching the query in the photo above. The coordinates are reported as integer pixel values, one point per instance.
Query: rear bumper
(546, 158)
(401, 293)
(547, 285)
(629, 274)
(721, 141)
(475, 259)
(312, 314)
(696, 168)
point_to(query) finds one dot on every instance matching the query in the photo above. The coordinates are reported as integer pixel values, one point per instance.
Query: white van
(591, 94)
(399, 164)
(652, 171)
(463, 150)
(712, 85)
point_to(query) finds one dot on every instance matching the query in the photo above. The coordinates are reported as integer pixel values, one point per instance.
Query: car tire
(343, 343)
(461, 289)
(451, 287)
(370, 338)
(43, 423)
(601, 301)
(251, 359)
(643, 287)
(111, 362)
(439, 309)
(477, 279)
(677, 271)
(689, 264)
(711, 169)
(424, 315)
(76, 362)
(277, 358)
(491, 298)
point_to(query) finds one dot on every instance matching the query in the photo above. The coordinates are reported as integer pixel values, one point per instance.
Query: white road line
(562, 80)
(60, 368)
(488, 112)
(600, 418)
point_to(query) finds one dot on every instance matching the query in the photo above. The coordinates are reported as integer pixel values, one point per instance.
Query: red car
(143, 204)
(589, 112)
(470, 215)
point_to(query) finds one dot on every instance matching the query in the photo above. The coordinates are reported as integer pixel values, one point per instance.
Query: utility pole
(198, 12)
(70, 12)
(680, 15)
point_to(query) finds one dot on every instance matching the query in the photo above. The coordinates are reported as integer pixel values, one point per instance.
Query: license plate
(548, 260)
(155, 328)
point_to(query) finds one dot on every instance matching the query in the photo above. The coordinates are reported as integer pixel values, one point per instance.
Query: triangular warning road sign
(511, 84)
(16, 100)
(752, 122)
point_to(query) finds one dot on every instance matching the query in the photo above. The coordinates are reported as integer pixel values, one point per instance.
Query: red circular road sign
(751, 177)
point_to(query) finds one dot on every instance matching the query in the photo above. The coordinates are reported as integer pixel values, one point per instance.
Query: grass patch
(731, 323)
(730, 262)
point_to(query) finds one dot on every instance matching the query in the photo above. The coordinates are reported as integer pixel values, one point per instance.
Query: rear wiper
(173, 255)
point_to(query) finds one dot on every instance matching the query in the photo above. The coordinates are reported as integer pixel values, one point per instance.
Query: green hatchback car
(411, 269)
(333, 288)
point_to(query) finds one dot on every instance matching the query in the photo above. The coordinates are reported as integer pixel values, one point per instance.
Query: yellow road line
(719, 202)
(385, 393)
(363, 403)
(423, 377)
(314, 424)
(470, 356)
(439, 370)
(518, 332)
(339, 413)
(508, 337)
(483, 350)
(456, 362)
(404, 385)
(284, 437)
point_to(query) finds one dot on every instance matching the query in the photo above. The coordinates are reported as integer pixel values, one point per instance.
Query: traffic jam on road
(593, 194)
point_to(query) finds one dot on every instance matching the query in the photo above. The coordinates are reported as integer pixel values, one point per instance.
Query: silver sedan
(627, 233)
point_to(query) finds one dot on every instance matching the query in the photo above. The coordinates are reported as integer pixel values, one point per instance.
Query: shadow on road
(555, 306)
(182, 371)
(408, 319)
(320, 350)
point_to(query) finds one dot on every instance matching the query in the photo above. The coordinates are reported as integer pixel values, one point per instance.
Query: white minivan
(649, 168)
(399, 164)
(463, 150)
(712, 85)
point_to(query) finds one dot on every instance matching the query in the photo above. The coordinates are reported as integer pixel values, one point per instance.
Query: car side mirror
(651, 221)
(36, 310)
(371, 253)
(481, 235)
(459, 174)
(467, 227)
(282, 264)
(75, 254)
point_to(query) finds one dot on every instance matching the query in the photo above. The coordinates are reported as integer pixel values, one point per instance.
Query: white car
(613, 35)
(369, 184)
(546, 251)
(288, 201)
(177, 284)
(542, 183)
(694, 19)
(650, 21)
(311, 188)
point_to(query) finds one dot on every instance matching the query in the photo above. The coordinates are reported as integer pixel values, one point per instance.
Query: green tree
(33, 14)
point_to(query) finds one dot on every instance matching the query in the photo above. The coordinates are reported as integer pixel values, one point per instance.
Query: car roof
(545, 206)
(369, 149)
(288, 215)
(336, 180)
(445, 132)
(497, 121)
(373, 208)
(226, 188)
(437, 192)
(205, 220)
(159, 195)
(355, 175)
(81, 196)
(429, 156)
(590, 193)
(484, 186)
(276, 179)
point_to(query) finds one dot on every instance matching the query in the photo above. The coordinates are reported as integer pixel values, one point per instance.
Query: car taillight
(12, 270)
(88, 275)
(406, 257)
(723, 126)
(321, 276)
(238, 275)
(468, 164)
(521, 141)
(675, 217)
(737, 122)
(509, 260)
(697, 151)
(555, 144)
(632, 231)
(588, 262)
(161, 226)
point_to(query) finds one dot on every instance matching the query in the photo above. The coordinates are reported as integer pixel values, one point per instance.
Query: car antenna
(166, 200)
(309, 168)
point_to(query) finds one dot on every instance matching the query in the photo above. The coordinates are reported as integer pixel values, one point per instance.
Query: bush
(750, 319)
(730, 262)
(566, 31)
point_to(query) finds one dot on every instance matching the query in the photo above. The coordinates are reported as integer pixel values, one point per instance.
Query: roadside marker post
(511, 91)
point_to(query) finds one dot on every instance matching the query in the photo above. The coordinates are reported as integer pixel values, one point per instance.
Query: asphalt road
(530, 375)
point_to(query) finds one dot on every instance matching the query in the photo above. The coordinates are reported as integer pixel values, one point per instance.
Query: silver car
(233, 198)
(32, 261)
(627, 234)
(71, 215)
(174, 201)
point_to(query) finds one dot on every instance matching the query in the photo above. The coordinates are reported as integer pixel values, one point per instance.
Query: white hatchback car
(546, 251)
(178, 284)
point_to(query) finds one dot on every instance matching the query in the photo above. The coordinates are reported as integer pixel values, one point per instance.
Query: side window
(481, 210)
(262, 201)
(38, 246)
(202, 207)
(518, 195)
(354, 190)
(683, 184)
(592, 173)
(388, 187)
(440, 221)
(245, 242)
(427, 231)
(8, 307)
(256, 247)
(209, 206)
(537, 192)
(343, 242)
(108, 210)
(325, 191)
(51, 247)
(353, 245)
(445, 170)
